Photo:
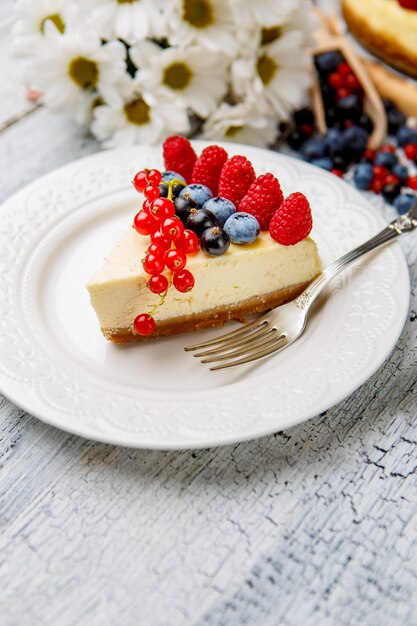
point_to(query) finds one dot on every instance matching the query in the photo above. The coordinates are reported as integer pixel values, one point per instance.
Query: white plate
(55, 363)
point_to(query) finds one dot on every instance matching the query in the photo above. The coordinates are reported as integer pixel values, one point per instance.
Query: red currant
(335, 80)
(144, 224)
(162, 208)
(140, 181)
(144, 324)
(157, 249)
(352, 83)
(376, 185)
(183, 281)
(154, 177)
(172, 228)
(176, 260)
(158, 283)
(344, 69)
(391, 178)
(306, 129)
(160, 240)
(369, 154)
(342, 93)
(412, 182)
(153, 264)
(188, 242)
(380, 172)
(388, 148)
(337, 172)
(146, 206)
(151, 192)
(410, 151)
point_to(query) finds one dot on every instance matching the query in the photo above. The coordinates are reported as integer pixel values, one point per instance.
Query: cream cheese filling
(119, 291)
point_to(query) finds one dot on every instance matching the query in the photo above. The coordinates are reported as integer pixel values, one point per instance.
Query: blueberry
(200, 220)
(296, 139)
(214, 241)
(170, 175)
(400, 172)
(349, 108)
(395, 119)
(324, 162)
(328, 61)
(242, 228)
(334, 142)
(404, 202)
(355, 140)
(365, 122)
(340, 162)
(221, 208)
(166, 178)
(183, 207)
(387, 159)
(198, 193)
(388, 104)
(363, 175)
(406, 135)
(314, 148)
(390, 191)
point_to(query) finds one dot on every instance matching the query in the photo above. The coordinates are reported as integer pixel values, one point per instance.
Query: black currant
(214, 241)
(200, 220)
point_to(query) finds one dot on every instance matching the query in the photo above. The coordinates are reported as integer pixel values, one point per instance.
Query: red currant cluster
(344, 82)
(169, 245)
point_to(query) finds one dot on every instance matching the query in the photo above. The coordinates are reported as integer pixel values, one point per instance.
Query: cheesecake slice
(247, 279)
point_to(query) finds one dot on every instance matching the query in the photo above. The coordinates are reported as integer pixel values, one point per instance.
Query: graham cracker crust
(217, 316)
(380, 43)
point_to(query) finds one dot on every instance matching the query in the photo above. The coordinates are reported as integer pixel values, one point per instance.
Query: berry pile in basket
(207, 202)
(390, 171)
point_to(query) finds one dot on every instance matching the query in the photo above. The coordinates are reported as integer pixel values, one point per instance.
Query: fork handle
(403, 224)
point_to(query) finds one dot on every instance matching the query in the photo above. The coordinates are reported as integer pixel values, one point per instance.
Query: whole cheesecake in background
(233, 268)
(387, 28)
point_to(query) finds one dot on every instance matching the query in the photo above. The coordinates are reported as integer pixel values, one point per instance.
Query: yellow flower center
(126, 1)
(177, 76)
(198, 13)
(56, 19)
(137, 112)
(266, 68)
(270, 34)
(83, 72)
(232, 131)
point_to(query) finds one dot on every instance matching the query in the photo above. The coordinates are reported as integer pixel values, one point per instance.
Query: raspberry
(292, 222)
(263, 198)
(235, 179)
(179, 156)
(208, 167)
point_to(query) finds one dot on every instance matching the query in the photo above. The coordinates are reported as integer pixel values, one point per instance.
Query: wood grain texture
(314, 526)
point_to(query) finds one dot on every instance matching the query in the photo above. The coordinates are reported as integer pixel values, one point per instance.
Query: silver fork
(279, 328)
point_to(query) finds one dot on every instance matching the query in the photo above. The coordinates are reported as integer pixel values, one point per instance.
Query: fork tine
(263, 342)
(241, 340)
(234, 333)
(259, 354)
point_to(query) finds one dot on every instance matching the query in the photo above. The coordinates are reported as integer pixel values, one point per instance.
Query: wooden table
(312, 526)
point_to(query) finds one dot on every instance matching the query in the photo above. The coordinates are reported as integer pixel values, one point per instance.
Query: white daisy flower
(130, 20)
(209, 23)
(277, 75)
(300, 19)
(263, 12)
(190, 78)
(241, 123)
(139, 119)
(74, 68)
(31, 17)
